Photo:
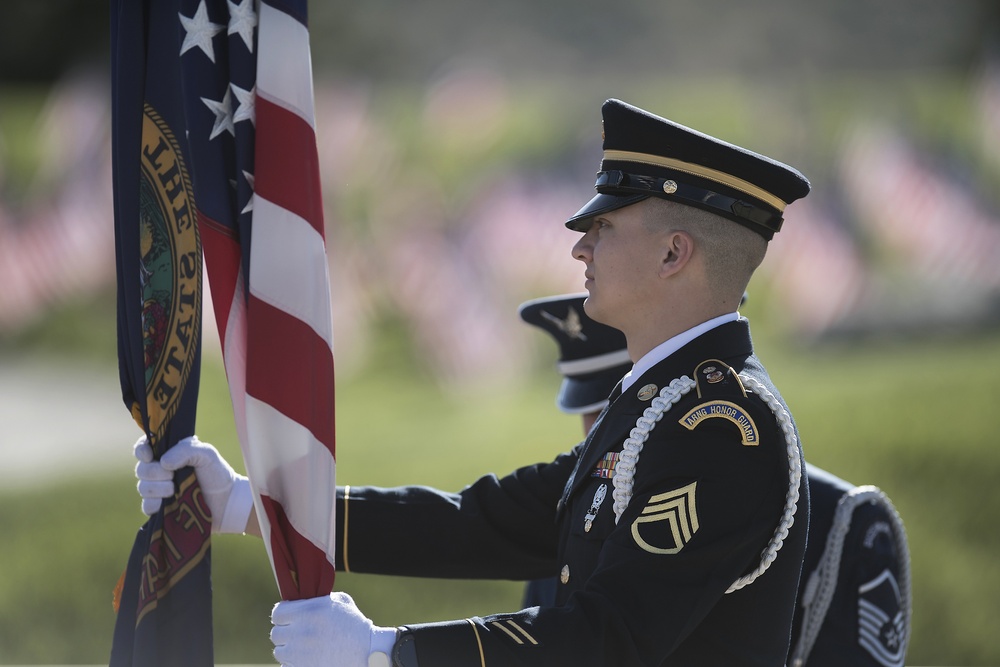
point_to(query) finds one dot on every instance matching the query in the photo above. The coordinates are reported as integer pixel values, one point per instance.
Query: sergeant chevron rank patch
(881, 628)
(668, 521)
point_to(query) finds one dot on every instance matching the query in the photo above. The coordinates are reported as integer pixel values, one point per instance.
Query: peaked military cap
(592, 356)
(649, 156)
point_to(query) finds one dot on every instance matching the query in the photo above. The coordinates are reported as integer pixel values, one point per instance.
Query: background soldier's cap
(592, 356)
(649, 156)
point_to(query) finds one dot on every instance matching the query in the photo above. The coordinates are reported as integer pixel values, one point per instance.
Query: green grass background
(915, 418)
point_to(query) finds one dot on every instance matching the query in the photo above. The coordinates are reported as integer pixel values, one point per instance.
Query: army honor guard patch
(724, 410)
(668, 522)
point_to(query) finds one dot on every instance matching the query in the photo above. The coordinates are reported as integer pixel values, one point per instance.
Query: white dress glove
(328, 631)
(226, 492)
(155, 483)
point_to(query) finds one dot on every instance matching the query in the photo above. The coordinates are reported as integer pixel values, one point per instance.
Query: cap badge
(571, 326)
(648, 392)
(669, 187)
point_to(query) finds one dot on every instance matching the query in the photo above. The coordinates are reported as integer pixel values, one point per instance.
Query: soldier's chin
(591, 305)
(597, 312)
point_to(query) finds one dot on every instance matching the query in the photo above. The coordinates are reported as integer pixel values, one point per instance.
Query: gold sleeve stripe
(699, 171)
(500, 626)
(479, 643)
(347, 497)
(523, 632)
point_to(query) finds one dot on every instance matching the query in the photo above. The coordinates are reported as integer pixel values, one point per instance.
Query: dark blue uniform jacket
(709, 489)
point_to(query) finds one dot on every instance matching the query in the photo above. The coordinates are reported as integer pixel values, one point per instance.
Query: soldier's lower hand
(226, 492)
(328, 630)
(155, 483)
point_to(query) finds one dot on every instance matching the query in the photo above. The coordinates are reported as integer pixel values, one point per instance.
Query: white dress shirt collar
(671, 345)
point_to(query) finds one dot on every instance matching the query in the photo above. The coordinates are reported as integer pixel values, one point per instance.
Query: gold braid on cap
(701, 172)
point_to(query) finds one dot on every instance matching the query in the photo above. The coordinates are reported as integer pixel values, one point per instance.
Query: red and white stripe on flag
(278, 339)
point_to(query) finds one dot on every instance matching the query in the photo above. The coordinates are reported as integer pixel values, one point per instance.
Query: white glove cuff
(237, 513)
(383, 640)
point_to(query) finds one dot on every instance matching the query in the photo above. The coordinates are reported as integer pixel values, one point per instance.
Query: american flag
(215, 150)
(272, 295)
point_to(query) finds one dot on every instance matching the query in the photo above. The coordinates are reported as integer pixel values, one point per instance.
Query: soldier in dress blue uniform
(677, 528)
(854, 598)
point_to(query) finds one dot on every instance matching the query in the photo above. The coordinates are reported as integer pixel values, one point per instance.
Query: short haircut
(732, 252)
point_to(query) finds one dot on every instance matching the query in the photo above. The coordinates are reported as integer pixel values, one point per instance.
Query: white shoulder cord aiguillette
(669, 395)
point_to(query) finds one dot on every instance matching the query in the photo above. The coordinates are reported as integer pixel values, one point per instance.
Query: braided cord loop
(794, 481)
(625, 470)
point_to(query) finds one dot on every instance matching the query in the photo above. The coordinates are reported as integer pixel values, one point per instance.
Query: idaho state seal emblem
(170, 271)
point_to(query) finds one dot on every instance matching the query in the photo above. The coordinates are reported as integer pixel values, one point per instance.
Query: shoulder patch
(717, 381)
(718, 409)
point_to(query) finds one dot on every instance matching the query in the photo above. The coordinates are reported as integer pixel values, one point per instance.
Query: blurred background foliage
(454, 139)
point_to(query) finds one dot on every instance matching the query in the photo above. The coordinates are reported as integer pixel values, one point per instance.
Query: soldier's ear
(677, 247)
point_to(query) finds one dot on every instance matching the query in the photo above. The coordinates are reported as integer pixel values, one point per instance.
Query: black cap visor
(589, 393)
(600, 204)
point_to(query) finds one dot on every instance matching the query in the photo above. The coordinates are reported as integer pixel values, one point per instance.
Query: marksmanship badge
(595, 507)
